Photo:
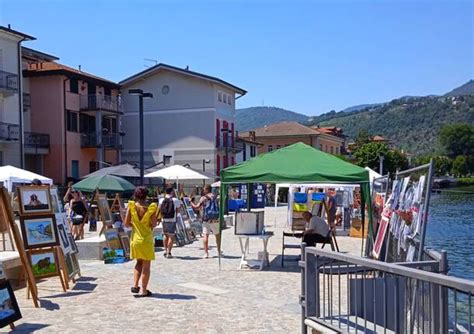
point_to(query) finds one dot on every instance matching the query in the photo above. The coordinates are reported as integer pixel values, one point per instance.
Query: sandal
(147, 294)
(135, 290)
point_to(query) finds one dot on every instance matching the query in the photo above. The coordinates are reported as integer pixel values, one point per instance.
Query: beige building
(282, 134)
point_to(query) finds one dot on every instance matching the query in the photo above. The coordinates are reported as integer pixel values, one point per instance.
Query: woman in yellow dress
(142, 219)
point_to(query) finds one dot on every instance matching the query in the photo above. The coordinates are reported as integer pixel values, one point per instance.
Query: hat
(36, 182)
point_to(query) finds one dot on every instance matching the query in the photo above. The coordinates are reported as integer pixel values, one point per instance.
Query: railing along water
(345, 293)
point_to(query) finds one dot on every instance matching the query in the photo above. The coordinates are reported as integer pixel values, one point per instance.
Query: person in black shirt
(78, 212)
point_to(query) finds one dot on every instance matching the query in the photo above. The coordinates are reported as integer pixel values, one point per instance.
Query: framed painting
(63, 238)
(34, 200)
(9, 311)
(72, 242)
(379, 239)
(113, 256)
(104, 209)
(57, 206)
(125, 241)
(112, 238)
(39, 231)
(72, 265)
(75, 264)
(44, 262)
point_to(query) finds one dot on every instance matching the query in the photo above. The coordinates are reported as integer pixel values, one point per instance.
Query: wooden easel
(8, 214)
(117, 206)
(333, 231)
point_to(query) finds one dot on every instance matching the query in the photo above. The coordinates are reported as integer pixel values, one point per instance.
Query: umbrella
(104, 183)
(125, 170)
(176, 173)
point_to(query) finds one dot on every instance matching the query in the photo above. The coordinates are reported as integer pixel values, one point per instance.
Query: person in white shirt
(317, 230)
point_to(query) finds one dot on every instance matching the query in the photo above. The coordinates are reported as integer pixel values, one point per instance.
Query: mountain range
(411, 123)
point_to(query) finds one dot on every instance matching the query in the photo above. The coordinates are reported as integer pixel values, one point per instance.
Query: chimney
(252, 135)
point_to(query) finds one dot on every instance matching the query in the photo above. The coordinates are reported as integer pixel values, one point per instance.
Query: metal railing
(345, 293)
(99, 102)
(9, 132)
(94, 139)
(8, 81)
(36, 140)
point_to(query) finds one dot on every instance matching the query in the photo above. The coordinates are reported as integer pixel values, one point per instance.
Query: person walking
(78, 214)
(142, 219)
(210, 218)
(169, 208)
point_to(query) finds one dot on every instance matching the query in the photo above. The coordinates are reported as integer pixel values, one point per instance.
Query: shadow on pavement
(86, 279)
(69, 294)
(291, 264)
(172, 296)
(84, 286)
(187, 257)
(48, 305)
(28, 328)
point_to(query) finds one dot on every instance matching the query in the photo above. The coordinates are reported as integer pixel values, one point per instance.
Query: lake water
(451, 227)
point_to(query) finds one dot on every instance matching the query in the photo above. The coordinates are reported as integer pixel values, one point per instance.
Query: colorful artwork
(39, 231)
(125, 240)
(104, 210)
(44, 263)
(34, 199)
(9, 310)
(74, 249)
(65, 243)
(112, 238)
(113, 255)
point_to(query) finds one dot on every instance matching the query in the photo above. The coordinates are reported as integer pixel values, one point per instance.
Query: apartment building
(282, 134)
(190, 119)
(11, 103)
(80, 113)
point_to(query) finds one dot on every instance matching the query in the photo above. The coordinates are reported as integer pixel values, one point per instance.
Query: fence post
(443, 294)
(311, 285)
(303, 291)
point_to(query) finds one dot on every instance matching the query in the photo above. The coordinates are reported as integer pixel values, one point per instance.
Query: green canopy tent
(298, 163)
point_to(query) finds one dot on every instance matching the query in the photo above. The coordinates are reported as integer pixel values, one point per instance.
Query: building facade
(190, 119)
(11, 91)
(80, 113)
(247, 149)
(282, 134)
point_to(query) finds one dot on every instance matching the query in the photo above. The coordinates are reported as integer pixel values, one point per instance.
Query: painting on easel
(44, 263)
(9, 310)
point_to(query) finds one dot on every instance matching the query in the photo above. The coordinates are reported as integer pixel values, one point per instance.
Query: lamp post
(141, 95)
(204, 162)
(381, 159)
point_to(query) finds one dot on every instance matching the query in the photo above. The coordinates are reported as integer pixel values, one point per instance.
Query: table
(244, 241)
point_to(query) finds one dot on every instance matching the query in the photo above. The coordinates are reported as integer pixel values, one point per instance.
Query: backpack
(167, 208)
(211, 210)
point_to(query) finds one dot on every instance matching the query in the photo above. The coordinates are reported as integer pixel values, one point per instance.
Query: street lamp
(204, 162)
(141, 95)
(381, 159)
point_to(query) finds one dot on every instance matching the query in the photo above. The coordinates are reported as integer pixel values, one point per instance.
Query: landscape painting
(39, 231)
(113, 256)
(34, 200)
(9, 310)
(44, 263)
(112, 238)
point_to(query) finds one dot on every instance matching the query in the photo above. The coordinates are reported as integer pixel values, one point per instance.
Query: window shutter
(218, 165)
(218, 132)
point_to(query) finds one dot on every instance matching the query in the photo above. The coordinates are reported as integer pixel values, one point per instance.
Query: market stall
(10, 175)
(297, 163)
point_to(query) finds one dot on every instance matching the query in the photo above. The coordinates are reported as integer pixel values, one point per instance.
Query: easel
(333, 230)
(8, 215)
(117, 206)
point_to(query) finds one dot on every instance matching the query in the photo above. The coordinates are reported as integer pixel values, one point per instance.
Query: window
(278, 147)
(72, 120)
(86, 123)
(337, 150)
(320, 147)
(332, 149)
(229, 100)
(325, 148)
(270, 148)
(225, 98)
(218, 164)
(219, 96)
(75, 169)
(253, 151)
(244, 152)
(218, 133)
(73, 85)
(107, 91)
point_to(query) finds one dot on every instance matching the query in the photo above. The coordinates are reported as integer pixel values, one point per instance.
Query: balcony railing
(100, 102)
(9, 132)
(26, 102)
(8, 81)
(224, 142)
(89, 140)
(36, 140)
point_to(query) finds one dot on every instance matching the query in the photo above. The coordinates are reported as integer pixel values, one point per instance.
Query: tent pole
(249, 196)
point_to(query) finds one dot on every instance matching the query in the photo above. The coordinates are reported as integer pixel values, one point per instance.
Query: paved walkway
(191, 294)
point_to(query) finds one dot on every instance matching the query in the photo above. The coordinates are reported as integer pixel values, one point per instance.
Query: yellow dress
(142, 245)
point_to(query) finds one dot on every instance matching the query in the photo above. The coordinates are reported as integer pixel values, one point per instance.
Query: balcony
(8, 83)
(225, 142)
(99, 102)
(36, 143)
(9, 132)
(93, 140)
(26, 102)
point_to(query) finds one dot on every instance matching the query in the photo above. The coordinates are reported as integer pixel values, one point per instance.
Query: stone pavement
(190, 295)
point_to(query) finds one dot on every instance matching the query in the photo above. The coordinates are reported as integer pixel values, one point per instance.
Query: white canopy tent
(176, 173)
(10, 175)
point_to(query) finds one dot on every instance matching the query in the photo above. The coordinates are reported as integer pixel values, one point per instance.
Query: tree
(460, 166)
(457, 139)
(443, 164)
(362, 138)
(369, 155)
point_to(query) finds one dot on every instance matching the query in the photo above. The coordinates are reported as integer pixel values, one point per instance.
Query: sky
(306, 56)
